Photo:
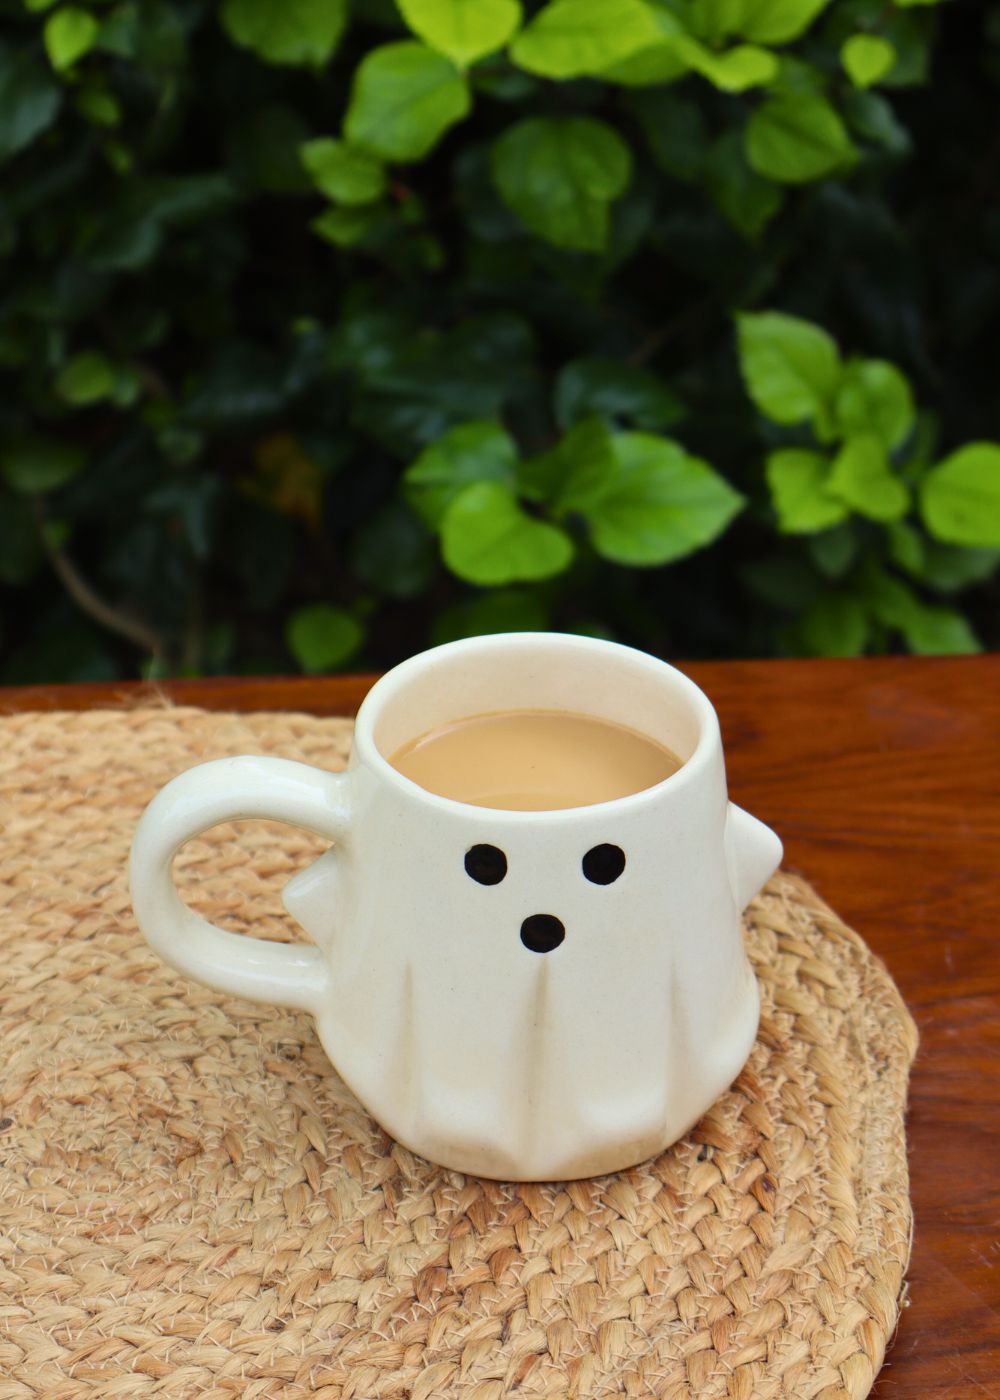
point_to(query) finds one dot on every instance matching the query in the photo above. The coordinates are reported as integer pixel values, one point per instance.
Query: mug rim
(388, 687)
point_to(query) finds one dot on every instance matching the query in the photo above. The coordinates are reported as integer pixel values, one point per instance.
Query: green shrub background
(330, 330)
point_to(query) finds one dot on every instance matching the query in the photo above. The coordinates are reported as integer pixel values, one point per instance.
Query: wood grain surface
(883, 778)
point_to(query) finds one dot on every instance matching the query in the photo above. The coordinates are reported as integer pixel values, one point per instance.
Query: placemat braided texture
(192, 1204)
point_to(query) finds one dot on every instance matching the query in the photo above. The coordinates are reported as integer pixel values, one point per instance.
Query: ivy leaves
(795, 376)
(637, 498)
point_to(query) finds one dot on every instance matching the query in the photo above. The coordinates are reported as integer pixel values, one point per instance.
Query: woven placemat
(192, 1204)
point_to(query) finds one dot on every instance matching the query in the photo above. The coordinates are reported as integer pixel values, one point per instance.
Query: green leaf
(34, 465)
(615, 390)
(872, 117)
(99, 106)
(293, 32)
(797, 480)
(866, 58)
(659, 505)
(394, 553)
(559, 175)
(573, 473)
(744, 198)
(499, 610)
(652, 66)
(960, 497)
(29, 100)
(777, 21)
(470, 453)
(87, 378)
(572, 38)
(69, 34)
(833, 551)
(733, 70)
(948, 568)
(791, 367)
(463, 30)
(487, 538)
(940, 631)
(404, 98)
(928, 630)
(348, 226)
(675, 132)
(341, 172)
(906, 547)
(795, 137)
(322, 637)
(874, 397)
(863, 479)
(835, 625)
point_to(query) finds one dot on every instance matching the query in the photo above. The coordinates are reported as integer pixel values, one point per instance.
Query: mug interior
(535, 671)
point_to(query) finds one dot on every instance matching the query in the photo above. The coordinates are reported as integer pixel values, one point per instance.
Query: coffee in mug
(534, 760)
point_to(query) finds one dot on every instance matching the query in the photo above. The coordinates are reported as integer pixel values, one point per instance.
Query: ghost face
(542, 933)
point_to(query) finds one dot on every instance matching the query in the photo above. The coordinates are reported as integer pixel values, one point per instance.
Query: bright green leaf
(652, 66)
(777, 21)
(863, 479)
(341, 172)
(487, 538)
(470, 453)
(744, 198)
(874, 397)
(795, 137)
(615, 390)
(86, 378)
(560, 174)
(835, 625)
(69, 34)
(322, 637)
(733, 70)
(36, 464)
(571, 38)
(866, 58)
(463, 30)
(573, 473)
(296, 32)
(790, 366)
(660, 504)
(960, 497)
(404, 98)
(797, 480)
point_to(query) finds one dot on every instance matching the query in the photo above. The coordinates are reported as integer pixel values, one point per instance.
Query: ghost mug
(467, 1045)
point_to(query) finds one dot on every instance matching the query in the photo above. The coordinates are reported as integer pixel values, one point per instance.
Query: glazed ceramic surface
(465, 1043)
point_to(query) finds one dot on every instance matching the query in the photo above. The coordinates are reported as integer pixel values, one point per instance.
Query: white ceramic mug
(464, 1044)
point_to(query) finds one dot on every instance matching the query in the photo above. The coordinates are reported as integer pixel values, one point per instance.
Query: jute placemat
(192, 1204)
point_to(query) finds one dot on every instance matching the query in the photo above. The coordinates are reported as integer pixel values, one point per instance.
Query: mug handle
(232, 789)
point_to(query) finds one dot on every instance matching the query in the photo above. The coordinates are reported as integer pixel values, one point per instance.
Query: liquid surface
(534, 760)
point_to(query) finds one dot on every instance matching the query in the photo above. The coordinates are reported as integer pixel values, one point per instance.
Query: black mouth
(542, 932)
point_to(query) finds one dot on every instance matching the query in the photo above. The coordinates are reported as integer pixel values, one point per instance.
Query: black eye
(487, 864)
(603, 864)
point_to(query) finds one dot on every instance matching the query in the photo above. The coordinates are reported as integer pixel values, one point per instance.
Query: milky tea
(534, 760)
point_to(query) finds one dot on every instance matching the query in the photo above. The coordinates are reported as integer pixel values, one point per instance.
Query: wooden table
(883, 778)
